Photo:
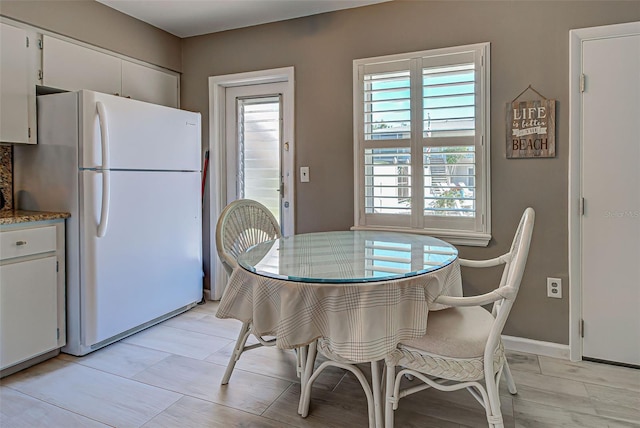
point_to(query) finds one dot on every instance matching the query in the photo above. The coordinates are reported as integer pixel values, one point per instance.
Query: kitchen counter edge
(21, 216)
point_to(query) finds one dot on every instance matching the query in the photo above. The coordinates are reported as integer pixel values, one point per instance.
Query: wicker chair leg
(389, 397)
(310, 361)
(376, 385)
(508, 377)
(237, 351)
(361, 378)
(494, 413)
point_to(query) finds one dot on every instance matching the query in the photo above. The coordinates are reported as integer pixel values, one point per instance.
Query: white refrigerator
(129, 173)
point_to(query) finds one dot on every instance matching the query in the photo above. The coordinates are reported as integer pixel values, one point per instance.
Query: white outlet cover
(554, 288)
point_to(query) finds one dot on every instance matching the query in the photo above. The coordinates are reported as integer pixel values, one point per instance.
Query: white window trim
(458, 237)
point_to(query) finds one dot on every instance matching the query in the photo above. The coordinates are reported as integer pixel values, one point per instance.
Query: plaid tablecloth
(361, 321)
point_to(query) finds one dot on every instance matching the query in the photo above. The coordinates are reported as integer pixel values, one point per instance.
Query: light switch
(304, 174)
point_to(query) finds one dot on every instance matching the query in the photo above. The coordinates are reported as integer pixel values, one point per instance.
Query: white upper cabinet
(18, 79)
(150, 85)
(71, 67)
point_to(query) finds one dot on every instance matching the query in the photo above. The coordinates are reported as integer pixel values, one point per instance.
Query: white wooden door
(611, 191)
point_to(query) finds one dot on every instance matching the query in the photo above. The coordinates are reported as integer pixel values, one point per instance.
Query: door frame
(217, 153)
(576, 38)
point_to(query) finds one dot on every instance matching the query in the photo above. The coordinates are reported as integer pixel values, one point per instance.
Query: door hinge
(582, 82)
(57, 266)
(39, 43)
(57, 333)
(27, 41)
(581, 206)
(28, 132)
(40, 76)
(581, 328)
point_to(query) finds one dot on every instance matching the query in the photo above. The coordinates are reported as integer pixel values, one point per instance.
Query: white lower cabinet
(28, 313)
(32, 316)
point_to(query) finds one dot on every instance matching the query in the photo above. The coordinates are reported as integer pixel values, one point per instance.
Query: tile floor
(169, 376)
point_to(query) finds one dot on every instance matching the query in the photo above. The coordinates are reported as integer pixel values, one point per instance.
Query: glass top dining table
(361, 292)
(348, 257)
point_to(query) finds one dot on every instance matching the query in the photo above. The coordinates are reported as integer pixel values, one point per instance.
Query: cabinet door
(28, 310)
(14, 85)
(150, 85)
(72, 67)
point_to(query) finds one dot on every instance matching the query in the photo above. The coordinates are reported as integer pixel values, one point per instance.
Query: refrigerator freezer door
(139, 135)
(149, 261)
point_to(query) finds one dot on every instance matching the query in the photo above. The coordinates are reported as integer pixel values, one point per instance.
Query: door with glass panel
(257, 161)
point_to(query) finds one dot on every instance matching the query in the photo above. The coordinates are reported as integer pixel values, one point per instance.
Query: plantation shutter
(450, 112)
(419, 125)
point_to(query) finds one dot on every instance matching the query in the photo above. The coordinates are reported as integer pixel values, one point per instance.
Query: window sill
(455, 237)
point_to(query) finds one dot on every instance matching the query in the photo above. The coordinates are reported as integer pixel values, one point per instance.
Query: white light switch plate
(304, 174)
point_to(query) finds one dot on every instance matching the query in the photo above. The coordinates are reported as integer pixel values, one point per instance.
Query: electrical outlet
(554, 288)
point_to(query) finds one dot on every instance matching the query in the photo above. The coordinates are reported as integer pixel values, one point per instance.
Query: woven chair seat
(457, 369)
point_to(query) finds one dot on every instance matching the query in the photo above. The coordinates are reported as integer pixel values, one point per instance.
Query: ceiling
(185, 18)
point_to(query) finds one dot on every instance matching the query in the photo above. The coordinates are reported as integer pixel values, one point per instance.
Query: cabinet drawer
(25, 242)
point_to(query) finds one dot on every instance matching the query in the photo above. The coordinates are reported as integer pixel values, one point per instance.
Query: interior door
(611, 191)
(258, 167)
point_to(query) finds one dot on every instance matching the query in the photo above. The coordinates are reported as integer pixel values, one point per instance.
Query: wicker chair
(243, 223)
(462, 346)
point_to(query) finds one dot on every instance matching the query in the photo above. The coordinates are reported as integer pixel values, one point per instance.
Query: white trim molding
(538, 347)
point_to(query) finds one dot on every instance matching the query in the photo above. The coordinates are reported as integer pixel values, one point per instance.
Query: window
(421, 133)
(258, 138)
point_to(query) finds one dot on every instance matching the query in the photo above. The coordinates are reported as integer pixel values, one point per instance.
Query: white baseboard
(538, 347)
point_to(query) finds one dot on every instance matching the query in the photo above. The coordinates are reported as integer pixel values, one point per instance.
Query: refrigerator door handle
(104, 211)
(106, 193)
(104, 134)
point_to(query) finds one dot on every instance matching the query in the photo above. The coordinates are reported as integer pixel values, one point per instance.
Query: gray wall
(99, 25)
(529, 45)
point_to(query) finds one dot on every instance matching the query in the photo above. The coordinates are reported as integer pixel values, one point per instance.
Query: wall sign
(531, 128)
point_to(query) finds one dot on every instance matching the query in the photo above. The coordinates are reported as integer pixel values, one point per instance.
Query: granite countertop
(19, 216)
